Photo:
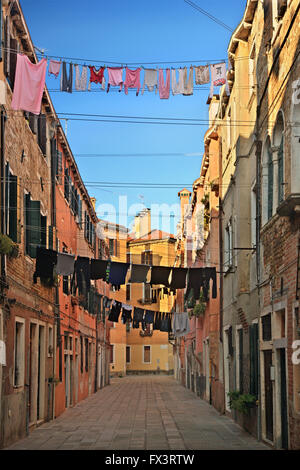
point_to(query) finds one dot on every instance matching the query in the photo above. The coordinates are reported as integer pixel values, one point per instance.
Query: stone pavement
(140, 413)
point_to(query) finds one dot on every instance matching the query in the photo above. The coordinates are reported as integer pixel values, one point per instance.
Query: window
(147, 257)
(10, 57)
(280, 172)
(112, 353)
(147, 355)
(253, 215)
(128, 350)
(87, 353)
(128, 258)
(266, 327)
(12, 206)
(66, 282)
(114, 247)
(89, 229)
(253, 331)
(19, 356)
(128, 291)
(147, 293)
(270, 182)
(35, 226)
(50, 341)
(228, 255)
(252, 70)
(81, 354)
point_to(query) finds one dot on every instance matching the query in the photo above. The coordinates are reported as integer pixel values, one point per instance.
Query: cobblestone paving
(140, 413)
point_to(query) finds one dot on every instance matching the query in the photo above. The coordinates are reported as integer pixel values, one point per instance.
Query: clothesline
(30, 80)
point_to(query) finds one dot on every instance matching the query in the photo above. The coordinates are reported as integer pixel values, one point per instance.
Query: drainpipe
(258, 267)
(2, 261)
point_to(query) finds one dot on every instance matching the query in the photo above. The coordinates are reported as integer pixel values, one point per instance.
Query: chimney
(93, 200)
(142, 223)
(184, 195)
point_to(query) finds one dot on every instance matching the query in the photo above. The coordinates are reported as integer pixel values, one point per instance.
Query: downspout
(3, 272)
(258, 266)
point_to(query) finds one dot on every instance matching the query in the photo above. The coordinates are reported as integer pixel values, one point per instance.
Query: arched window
(280, 172)
(270, 181)
(278, 141)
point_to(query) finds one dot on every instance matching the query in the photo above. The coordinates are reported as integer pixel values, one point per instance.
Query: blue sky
(124, 32)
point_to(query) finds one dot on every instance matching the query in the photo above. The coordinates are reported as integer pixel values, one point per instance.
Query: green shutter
(1, 34)
(270, 183)
(254, 359)
(35, 227)
(280, 172)
(50, 237)
(13, 208)
(42, 129)
(7, 173)
(43, 231)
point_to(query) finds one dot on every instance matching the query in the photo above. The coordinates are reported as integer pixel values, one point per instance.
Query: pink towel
(29, 85)
(54, 68)
(164, 87)
(115, 77)
(132, 80)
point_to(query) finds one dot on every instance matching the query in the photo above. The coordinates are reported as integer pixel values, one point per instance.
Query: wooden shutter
(42, 130)
(241, 353)
(80, 211)
(66, 184)
(1, 33)
(33, 123)
(7, 173)
(6, 46)
(13, 61)
(270, 183)
(50, 237)
(19, 209)
(280, 172)
(13, 208)
(35, 227)
(44, 231)
(268, 18)
(59, 163)
(254, 359)
(143, 258)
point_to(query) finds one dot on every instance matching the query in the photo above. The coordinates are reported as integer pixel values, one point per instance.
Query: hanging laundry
(178, 278)
(154, 295)
(117, 273)
(80, 80)
(65, 264)
(188, 83)
(98, 268)
(150, 80)
(160, 275)
(29, 85)
(126, 313)
(106, 302)
(164, 86)
(195, 282)
(149, 316)
(132, 80)
(115, 77)
(66, 82)
(45, 262)
(138, 314)
(97, 76)
(178, 87)
(82, 272)
(181, 324)
(54, 68)
(115, 311)
(209, 273)
(218, 77)
(202, 74)
(157, 321)
(139, 273)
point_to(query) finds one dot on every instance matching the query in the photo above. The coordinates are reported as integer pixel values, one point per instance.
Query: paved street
(138, 413)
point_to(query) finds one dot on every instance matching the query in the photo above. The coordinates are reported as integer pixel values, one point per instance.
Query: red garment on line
(96, 75)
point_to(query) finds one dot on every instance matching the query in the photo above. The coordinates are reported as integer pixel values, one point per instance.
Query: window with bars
(147, 257)
(267, 327)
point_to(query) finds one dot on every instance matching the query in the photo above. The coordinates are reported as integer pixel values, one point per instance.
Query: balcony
(289, 206)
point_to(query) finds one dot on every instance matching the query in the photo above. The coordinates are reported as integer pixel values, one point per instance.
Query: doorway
(268, 394)
(283, 399)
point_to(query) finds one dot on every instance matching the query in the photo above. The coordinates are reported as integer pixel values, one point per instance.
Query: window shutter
(42, 130)
(19, 209)
(1, 33)
(13, 61)
(254, 359)
(80, 211)
(44, 231)
(59, 163)
(7, 173)
(85, 225)
(33, 121)
(35, 227)
(150, 258)
(66, 184)
(268, 18)
(50, 237)
(270, 183)
(143, 258)
(13, 207)
(280, 172)
(7, 46)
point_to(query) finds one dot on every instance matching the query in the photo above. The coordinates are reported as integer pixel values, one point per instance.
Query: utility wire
(213, 18)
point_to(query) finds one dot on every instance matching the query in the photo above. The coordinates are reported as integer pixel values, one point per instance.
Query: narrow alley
(137, 413)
